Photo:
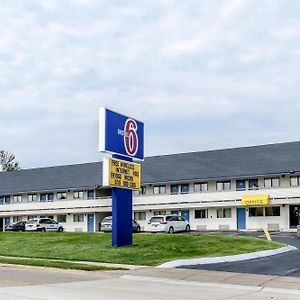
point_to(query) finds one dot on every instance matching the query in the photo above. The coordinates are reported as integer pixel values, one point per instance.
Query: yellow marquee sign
(248, 200)
(121, 174)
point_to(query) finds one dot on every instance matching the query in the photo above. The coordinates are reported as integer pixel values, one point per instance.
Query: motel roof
(244, 162)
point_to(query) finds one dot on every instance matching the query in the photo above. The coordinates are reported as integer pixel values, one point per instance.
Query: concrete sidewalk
(129, 287)
(219, 277)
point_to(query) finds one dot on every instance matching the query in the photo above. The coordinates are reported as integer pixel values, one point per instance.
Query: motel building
(247, 188)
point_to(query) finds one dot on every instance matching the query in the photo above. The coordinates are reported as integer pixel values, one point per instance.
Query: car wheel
(187, 228)
(171, 230)
(60, 229)
(43, 229)
(138, 229)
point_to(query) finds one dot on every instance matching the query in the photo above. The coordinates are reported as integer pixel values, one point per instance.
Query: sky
(200, 74)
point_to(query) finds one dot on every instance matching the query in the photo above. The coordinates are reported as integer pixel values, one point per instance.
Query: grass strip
(56, 264)
(147, 249)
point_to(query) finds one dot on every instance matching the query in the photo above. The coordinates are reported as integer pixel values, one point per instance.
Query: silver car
(168, 223)
(106, 225)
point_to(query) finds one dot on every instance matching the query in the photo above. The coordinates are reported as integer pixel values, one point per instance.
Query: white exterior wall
(260, 223)
(70, 225)
(211, 200)
(212, 222)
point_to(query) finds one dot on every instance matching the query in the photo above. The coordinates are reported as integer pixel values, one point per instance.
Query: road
(36, 284)
(286, 264)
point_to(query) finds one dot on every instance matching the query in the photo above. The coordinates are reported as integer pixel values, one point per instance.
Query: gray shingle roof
(253, 161)
(85, 176)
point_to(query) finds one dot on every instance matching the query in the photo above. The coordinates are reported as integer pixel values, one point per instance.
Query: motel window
(253, 183)
(46, 197)
(32, 197)
(159, 189)
(185, 188)
(271, 182)
(224, 213)
(240, 184)
(17, 198)
(7, 199)
(256, 211)
(140, 215)
(17, 218)
(142, 190)
(43, 197)
(174, 189)
(61, 195)
(61, 218)
(294, 181)
(223, 185)
(78, 195)
(1, 199)
(200, 187)
(201, 213)
(78, 218)
(30, 217)
(160, 212)
(90, 195)
(272, 211)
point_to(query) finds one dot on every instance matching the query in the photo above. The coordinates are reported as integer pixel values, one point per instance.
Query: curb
(95, 263)
(222, 259)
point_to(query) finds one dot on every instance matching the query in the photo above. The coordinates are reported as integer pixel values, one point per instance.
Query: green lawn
(147, 249)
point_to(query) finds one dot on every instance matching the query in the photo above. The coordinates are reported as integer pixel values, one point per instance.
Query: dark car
(16, 226)
(106, 225)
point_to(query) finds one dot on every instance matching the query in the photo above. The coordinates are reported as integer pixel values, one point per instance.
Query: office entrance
(294, 216)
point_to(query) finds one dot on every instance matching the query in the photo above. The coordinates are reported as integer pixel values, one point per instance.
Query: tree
(8, 161)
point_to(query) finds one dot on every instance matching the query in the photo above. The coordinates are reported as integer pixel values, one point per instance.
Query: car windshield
(11, 224)
(33, 221)
(107, 220)
(156, 219)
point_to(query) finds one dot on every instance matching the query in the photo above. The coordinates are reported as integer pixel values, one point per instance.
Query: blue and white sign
(119, 134)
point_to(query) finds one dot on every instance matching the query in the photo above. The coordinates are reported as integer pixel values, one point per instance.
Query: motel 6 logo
(131, 141)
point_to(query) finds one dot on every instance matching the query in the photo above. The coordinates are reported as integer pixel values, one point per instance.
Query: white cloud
(220, 68)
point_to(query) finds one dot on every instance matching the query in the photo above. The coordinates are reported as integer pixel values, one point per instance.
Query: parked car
(168, 223)
(16, 226)
(106, 225)
(43, 224)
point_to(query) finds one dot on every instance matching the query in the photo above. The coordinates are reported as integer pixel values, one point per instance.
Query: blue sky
(200, 74)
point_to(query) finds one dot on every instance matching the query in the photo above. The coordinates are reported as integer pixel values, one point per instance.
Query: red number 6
(131, 141)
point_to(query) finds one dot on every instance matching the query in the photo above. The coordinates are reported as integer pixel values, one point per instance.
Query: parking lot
(286, 264)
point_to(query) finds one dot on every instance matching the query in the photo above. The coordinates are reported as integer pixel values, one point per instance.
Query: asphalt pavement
(286, 264)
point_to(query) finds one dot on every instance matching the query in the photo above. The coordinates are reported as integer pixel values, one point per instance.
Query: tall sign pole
(123, 138)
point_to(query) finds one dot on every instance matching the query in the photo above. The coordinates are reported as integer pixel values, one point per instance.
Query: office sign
(121, 174)
(250, 200)
(119, 134)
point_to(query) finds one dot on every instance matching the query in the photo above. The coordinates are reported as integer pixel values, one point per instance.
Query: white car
(43, 224)
(168, 223)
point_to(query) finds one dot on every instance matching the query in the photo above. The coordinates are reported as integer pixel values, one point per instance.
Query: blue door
(241, 184)
(7, 220)
(185, 214)
(241, 218)
(90, 195)
(90, 223)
